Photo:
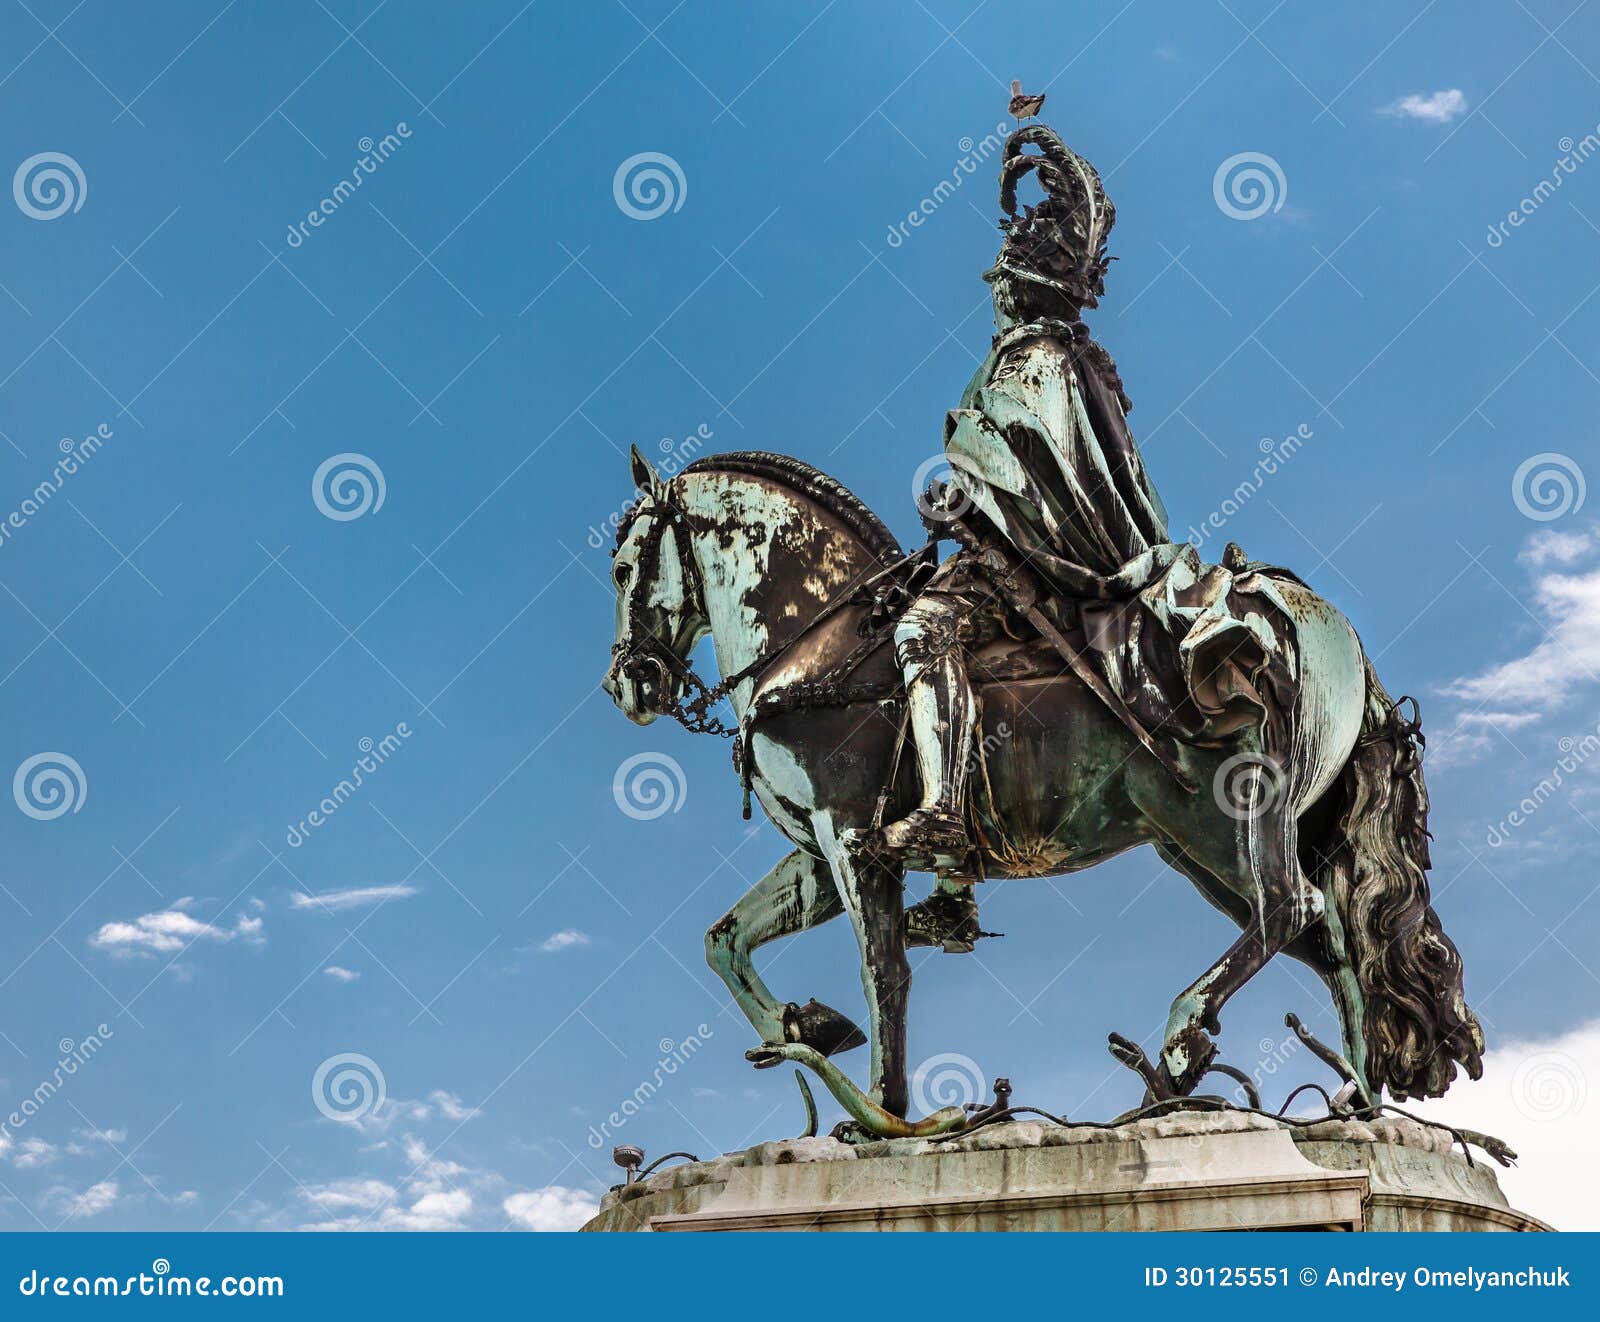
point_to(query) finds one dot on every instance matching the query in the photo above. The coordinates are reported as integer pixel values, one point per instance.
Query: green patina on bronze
(1070, 684)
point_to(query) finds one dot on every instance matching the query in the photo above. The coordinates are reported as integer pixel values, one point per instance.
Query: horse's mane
(804, 480)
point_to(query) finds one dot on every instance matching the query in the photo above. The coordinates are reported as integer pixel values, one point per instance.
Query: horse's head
(660, 614)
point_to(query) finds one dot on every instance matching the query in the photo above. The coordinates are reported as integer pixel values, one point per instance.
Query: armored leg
(943, 717)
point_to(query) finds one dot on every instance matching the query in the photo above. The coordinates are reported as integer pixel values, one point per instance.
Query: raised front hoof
(820, 1027)
(1184, 1059)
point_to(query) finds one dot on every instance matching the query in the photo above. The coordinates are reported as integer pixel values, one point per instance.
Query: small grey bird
(1023, 106)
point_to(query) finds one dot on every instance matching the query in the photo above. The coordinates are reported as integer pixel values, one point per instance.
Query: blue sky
(483, 324)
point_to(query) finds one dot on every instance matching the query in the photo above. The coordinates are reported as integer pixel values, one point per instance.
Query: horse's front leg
(1282, 904)
(797, 894)
(873, 894)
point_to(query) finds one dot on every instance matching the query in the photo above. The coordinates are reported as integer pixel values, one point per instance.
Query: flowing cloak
(1041, 449)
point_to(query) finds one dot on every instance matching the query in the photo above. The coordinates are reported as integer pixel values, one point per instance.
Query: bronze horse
(1323, 857)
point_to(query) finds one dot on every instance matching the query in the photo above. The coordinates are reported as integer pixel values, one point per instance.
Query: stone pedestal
(1228, 1171)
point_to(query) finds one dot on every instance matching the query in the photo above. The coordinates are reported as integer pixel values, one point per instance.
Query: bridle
(643, 657)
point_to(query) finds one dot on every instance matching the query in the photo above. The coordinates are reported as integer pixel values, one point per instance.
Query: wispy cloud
(1566, 657)
(33, 1153)
(1429, 108)
(1510, 695)
(169, 931)
(353, 897)
(339, 974)
(73, 1206)
(565, 939)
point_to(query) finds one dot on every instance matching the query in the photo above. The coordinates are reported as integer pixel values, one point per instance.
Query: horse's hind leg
(873, 893)
(797, 894)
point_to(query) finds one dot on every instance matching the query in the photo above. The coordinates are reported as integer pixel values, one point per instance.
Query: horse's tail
(1374, 869)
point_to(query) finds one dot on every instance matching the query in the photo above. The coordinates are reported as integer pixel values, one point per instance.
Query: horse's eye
(620, 573)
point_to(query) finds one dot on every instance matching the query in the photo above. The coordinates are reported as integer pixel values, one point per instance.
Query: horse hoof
(1184, 1059)
(821, 1028)
(852, 1132)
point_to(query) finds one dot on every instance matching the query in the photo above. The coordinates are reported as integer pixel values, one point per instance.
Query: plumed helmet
(1060, 242)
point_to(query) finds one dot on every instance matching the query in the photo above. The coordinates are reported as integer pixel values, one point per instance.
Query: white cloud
(399, 1110)
(33, 1153)
(92, 1201)
(440, 1209)
(1568, 655)
(1473, 734)
(347, 1195)
(551, 1208)
(104, 1135)
(169, 931)
(1434, 108)
(1543, 1098)
(450, 1107)
(1549, 546)
(565, 939)
(351, 898)
(341, 974)
(1511, 695)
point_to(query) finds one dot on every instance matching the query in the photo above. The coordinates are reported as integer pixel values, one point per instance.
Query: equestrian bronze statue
(1069, 684)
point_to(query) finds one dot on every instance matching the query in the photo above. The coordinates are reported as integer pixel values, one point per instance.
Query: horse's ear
(645, 476)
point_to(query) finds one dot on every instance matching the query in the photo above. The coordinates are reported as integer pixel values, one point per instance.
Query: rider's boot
(948, 918)
(944, 715)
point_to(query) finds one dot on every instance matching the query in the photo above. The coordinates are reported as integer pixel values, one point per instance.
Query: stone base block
(1228, 1171)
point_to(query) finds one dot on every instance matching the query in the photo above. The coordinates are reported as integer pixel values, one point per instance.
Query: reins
(643, 650)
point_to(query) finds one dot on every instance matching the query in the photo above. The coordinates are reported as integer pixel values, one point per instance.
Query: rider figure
(1043, 465)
